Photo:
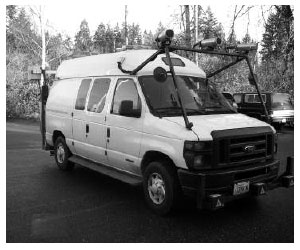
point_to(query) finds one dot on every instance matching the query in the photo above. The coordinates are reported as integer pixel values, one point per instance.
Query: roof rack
(207, 46)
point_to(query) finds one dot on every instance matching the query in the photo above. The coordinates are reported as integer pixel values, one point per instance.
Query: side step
(111, 172)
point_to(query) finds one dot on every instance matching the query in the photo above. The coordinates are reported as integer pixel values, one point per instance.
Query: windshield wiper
(176, 109)
(166, 109)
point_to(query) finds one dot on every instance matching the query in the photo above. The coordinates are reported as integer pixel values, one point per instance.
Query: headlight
(197, 154)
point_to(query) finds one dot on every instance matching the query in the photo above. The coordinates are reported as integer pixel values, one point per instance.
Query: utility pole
(126, 32)
(43, 74)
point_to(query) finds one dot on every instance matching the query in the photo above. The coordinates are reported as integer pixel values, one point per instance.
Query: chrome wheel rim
(156, 188)
(60, 153)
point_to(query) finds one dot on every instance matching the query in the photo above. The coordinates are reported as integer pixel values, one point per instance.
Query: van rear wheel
(61, 154)
(161, 188)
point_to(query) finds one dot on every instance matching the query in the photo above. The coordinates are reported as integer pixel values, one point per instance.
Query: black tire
(278, 126)
(171, 189)
(62, 154)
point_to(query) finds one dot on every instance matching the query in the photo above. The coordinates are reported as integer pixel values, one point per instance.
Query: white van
(130, 127)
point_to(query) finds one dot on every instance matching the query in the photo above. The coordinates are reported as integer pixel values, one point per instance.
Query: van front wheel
(61, 154)
(160, 187)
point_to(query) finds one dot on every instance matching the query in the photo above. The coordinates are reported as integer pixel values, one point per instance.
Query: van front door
(96, 137)
(124, 132)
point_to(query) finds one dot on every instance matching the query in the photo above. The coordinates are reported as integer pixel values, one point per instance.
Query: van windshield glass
(282, 101)
(199, 96)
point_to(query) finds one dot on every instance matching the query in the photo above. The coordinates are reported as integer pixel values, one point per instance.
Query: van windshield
(199, 97)
(282, 101)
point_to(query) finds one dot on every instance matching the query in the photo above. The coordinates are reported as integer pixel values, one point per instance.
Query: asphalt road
(44, 204)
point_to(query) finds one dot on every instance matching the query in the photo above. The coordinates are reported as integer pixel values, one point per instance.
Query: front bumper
(213, 189)
(282, 119)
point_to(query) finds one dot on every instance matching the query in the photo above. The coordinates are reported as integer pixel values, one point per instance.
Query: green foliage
(83, 41)
(209, 25)
(277, 68)
(23, 50)
(134, 34)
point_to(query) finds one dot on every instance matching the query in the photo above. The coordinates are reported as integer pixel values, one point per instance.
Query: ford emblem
(249, 148)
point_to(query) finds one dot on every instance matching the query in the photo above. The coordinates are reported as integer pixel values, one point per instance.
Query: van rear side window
(254, 98)
(82, 93)
(98, 95)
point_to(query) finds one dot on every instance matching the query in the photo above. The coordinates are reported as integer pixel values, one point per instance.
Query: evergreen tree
(148, 38)
(118, 37)
(99, 38)
(83, 40)
(277, 68)
(278, 39)
(208, 25)
(134, 34)
(109, 39)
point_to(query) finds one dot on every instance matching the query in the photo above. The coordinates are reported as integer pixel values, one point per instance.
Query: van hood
(203, 125)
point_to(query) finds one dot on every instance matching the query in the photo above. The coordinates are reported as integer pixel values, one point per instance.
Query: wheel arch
(153, 155)
(56, 134)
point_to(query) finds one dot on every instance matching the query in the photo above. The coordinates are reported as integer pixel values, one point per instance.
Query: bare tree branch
(246, 11)
(263, 15)
(182, 18)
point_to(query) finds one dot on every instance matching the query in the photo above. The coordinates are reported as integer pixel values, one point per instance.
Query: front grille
(242, 148)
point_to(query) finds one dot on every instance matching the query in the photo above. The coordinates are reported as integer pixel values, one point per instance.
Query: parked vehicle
(279, 106)
(172, 132)
(231, 100)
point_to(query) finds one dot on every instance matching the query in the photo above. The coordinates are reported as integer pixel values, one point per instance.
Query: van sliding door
(80, 119)
(96, 111)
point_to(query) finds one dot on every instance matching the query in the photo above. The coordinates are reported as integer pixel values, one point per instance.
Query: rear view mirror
(160, 74)
(252, 80)
(126, 109)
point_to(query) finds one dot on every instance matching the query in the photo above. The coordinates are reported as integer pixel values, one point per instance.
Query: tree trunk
(196, 31)
(188, 26)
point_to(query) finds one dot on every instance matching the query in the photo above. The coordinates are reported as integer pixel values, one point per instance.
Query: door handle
(108, 133)
(87, 128)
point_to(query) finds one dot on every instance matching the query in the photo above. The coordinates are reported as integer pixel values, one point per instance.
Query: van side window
(254, 98)
(98, 95)
(82, 93)
(126, 91)
(237, 98)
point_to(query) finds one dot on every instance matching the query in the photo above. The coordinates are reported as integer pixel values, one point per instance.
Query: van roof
(106, 65)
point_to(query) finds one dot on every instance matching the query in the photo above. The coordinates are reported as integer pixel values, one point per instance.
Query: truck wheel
(161, 187)
(61, 154)
(278, 126)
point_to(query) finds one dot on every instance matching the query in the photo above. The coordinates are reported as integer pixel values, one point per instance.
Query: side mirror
(160, 74)
(252, 80)
(126, 109)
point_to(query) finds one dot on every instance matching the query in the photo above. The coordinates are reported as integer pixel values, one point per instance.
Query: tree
(99, 38)
(119, 40)
(109, 39)
(278, 40)
(277, 68)
(83, 40)
(148, 38)
(188, 36)
(134, 34)
(24, 49)
(209, 26)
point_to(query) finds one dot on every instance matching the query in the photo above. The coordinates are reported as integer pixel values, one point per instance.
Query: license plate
(241, 188)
